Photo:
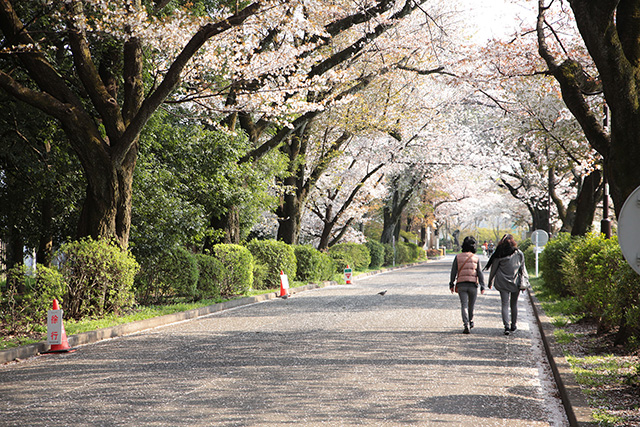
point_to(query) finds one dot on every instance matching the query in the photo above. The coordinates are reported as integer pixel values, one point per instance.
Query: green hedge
(595, 275)
(550, 263)
(376, 250)
(209, 269)
(355, 255)
(25, 300)
(99, 278)
(272, 257)
(236, 274)
(177, 273)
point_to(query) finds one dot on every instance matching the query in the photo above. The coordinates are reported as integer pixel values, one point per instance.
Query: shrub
(236, 274)
(389, 254)
(403, 253)
(209, 269)
(25, 300)
(530, 258)
(413, 251)
(354, 255)
(589, 270)
(550, 262)
(178, 273)
(99, 277)
(276, 257)
(376, 250)
(312, 265)
(433, 253)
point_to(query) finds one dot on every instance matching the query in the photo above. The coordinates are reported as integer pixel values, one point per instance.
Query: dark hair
(505, 247)
(469, 244)
(507, 244)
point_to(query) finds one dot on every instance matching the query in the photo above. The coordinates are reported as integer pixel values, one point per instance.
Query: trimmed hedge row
(96, 277)
(592, 271)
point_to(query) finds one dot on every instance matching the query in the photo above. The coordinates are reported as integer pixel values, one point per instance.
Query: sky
(488, 19)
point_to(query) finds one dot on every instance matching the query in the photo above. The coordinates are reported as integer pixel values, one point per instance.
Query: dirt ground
(609, 374)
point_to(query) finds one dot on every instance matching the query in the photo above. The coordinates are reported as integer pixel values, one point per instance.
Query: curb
(574, 401)
(90, 337)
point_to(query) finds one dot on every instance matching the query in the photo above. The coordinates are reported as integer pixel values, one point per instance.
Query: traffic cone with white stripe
(284, 285)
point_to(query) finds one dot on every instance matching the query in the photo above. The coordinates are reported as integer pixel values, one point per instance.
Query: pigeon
(382, 292)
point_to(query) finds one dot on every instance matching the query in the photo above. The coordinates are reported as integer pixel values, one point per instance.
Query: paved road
(336, 356)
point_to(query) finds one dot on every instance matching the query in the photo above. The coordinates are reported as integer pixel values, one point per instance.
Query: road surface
(336, 356)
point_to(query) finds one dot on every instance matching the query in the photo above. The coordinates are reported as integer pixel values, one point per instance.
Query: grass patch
(563, 337)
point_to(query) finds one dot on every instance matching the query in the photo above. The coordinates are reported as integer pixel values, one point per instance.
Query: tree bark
(615, 50)
(586, 202)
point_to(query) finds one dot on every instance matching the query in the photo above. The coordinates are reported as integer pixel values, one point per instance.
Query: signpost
(54, 327)
(539, 238)
(347, 275)
(629, 230)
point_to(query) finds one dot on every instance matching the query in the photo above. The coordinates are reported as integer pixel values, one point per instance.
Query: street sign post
(629, 230)
(539, 238)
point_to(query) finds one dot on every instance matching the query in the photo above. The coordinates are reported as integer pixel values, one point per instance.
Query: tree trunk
(391, 221)
(326, 229)
(610, 33)
(44, 252)
(540, 218)
(586, 204)
(289, 215)
(106, 212)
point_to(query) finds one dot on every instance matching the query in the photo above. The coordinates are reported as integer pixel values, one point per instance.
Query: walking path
(336, 356)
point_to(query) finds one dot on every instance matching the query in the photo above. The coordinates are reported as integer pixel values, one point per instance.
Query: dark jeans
(468, 292)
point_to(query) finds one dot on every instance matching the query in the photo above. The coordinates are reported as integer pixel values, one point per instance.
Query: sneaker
(506, 330)
(471, 324)
(513, 327)
(466, 330)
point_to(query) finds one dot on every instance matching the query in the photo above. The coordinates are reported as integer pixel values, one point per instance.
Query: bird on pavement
(382, 292)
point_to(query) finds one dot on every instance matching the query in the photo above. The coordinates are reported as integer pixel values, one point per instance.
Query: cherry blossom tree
(609, 65)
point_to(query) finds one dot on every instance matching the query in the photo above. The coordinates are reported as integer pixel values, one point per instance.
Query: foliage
(99, 277)
(433, 253)
(41, 185)
(178, 273)
(236, 275)
(389, 254)
(276, 257)
(376, 250)
(550, 261)
(24, 300)
(312, 265)
(209, 269)
(354, 255)
(603, 283)
(530, 258)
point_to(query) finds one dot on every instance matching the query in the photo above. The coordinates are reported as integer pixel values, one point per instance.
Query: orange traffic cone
(56, 334)
(284, 285)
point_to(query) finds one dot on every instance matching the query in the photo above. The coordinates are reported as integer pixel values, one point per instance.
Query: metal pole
(605, 224)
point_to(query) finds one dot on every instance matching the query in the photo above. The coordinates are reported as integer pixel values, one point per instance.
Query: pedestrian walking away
(466, 275)
(507, 270)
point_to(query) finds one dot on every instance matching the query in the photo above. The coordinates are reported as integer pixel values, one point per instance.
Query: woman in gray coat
(507, 263)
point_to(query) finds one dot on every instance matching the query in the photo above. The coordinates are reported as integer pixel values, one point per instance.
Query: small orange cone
(284, 285)
(56, 334)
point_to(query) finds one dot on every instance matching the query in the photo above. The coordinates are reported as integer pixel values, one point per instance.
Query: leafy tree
(187, 178)
(88, 74)
(40, 183)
